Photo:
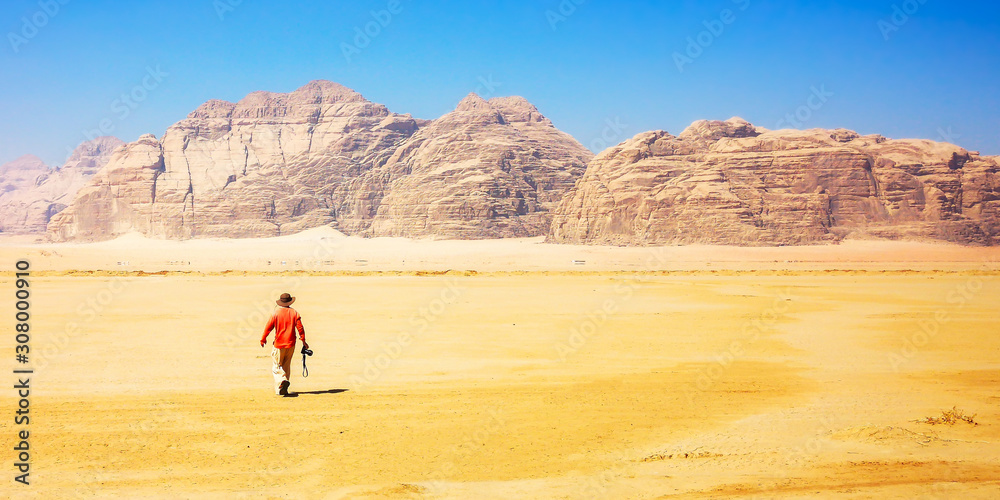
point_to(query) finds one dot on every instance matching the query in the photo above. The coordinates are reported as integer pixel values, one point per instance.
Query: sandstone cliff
(267, 165)
(488, 169)
(323, 155)
(32, 193)
(730, 183)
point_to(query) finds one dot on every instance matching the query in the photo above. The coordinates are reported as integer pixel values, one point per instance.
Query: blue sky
(603, 71)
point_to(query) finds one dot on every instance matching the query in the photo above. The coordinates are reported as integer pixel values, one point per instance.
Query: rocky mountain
(23, 173)
(735, 184)
(488, 169)
(32, 193)
(323, 155)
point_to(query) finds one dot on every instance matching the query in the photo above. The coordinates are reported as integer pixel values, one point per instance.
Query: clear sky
(602, 70)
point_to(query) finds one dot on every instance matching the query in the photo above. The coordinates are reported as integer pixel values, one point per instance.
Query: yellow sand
(534, 377)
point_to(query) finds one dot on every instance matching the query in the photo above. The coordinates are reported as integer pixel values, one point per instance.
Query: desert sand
(510, 369)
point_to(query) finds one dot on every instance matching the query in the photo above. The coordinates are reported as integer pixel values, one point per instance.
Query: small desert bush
(951, 417)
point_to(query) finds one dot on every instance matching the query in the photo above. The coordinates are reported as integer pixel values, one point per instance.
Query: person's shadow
(328, 391)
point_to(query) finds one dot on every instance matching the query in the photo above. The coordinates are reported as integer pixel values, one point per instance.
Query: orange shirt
(284, 322)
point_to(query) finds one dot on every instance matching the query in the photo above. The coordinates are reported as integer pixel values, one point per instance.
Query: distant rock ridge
(730, 183)
(25, 171)
(488, 169)
(32, 192)
(323, 155)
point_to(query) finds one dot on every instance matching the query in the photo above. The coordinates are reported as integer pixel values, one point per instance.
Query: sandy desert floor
(800, 373)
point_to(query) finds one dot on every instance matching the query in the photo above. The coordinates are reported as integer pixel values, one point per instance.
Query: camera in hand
(307, 352)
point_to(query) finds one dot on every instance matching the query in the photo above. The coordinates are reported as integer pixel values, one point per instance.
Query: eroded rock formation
(488, 169)
(32, 193)
(730, 183)
(324, 155)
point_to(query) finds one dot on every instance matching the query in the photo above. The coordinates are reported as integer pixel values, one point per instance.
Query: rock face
(324, 155)
(33, 193)
(730, 183)
(488, 169)
(17, 180)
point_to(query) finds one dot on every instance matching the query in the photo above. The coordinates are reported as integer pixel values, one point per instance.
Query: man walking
(284, 322)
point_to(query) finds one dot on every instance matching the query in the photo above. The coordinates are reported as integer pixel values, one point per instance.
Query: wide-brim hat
(285, 300)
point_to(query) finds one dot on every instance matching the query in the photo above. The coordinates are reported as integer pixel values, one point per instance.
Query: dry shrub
(950, 417)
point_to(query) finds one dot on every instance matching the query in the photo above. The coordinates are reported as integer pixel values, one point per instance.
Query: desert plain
(509, 369)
